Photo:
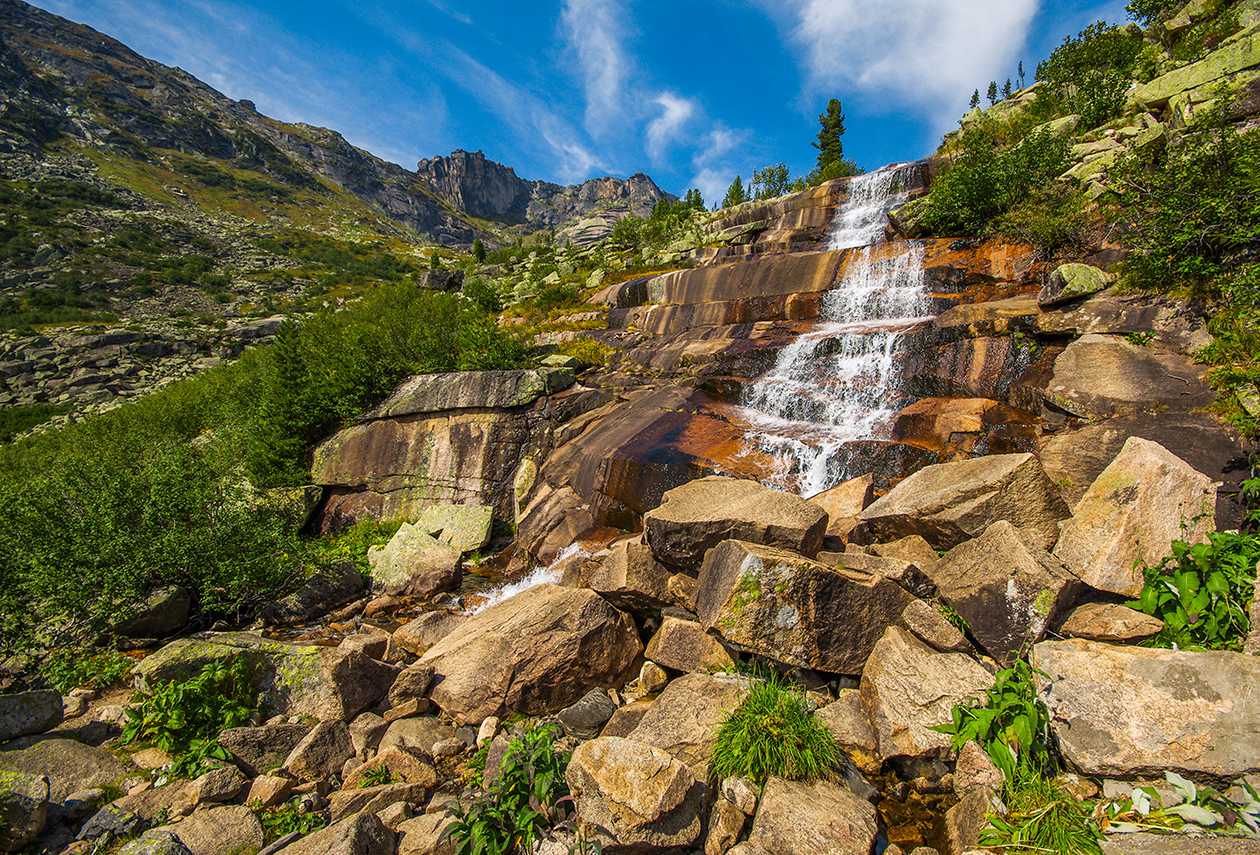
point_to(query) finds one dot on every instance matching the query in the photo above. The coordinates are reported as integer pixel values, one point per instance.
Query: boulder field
(640, 688)
(1052, 439)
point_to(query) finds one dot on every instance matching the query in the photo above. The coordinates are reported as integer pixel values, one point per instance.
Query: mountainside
(123, 182)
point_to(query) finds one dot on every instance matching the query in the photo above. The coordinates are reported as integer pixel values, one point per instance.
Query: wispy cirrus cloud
(529, 117)
(665, 128)
(596, 31)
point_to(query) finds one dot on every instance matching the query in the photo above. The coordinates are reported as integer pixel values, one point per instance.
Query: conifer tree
(1021, 74)
(479, 250)
(735, 193)
(1006, 89)
(829, 145)
(975, 99)
(993, 92)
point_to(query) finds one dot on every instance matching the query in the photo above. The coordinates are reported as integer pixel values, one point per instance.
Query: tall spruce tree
(829, 145)
(993, 92)
(1006, 88)
(975, 99)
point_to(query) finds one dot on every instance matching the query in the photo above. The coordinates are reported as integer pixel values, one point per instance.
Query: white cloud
(462, 17)
(665, 128)
(595, 34)
(925, 53)
(714, 172)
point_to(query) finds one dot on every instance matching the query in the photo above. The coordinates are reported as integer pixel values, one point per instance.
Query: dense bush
(984, 182)
(522, 803)
(1201, 592)
(339, 363)
(1195, 214)
(1089, 74)
(184, 718)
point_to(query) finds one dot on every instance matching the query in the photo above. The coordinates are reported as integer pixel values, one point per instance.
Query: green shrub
(68, 669)
(984, 182)
(1010, 722)
(354, 543)
(1201, 592)
(520, 805)
(1089, 74)
(283, 820)
(17, 420)
(1201, 809)
(185, 718)
(772, 734)
(1051, 216)
(1195, 214)
(377, 776)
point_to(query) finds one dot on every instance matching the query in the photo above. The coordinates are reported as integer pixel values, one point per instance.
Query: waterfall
(839, 382)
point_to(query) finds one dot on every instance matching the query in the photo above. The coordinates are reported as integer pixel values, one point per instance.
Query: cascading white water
(860, 220)
(838, 383)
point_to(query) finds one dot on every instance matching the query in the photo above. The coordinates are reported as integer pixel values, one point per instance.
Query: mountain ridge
(64, 80)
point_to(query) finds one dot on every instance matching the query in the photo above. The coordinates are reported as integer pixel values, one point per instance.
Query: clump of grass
(772, 734)
(1043, 817)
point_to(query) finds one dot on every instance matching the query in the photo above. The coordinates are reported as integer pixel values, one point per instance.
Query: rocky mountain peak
(483, 188)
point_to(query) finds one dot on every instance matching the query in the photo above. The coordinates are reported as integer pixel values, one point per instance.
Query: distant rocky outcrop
(492, 191)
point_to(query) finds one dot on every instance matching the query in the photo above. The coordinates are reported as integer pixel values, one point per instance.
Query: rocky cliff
(492, 191)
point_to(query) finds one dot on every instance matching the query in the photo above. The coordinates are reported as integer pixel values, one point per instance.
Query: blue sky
(692, 92)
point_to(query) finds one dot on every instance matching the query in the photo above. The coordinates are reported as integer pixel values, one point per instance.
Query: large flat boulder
(794, 816)
(908, 687)
(414, 563)
(464, 527)
(536, 653)
(1074, 459)
(69, 765)
(1006, 587)
(471, 390)
(1171, 322)
(440, 438)
(795, 610)
(952, 502)
(1129, 711)
(634, 798)
(684, 719)
(25, 713)
(1102, 376)
(1143, 501)
(699, 515)
(292, 679)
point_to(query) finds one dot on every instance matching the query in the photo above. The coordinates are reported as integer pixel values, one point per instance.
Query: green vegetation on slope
(167, 490)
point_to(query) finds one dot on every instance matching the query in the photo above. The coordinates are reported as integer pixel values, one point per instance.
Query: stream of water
(839, 383)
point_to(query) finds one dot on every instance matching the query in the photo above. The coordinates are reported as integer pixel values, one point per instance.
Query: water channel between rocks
(840, 383)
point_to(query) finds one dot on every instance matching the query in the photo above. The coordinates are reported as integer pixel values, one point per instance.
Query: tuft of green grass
(1043, 817)
(772, 734)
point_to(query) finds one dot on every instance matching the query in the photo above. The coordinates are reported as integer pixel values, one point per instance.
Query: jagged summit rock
(492, 191)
